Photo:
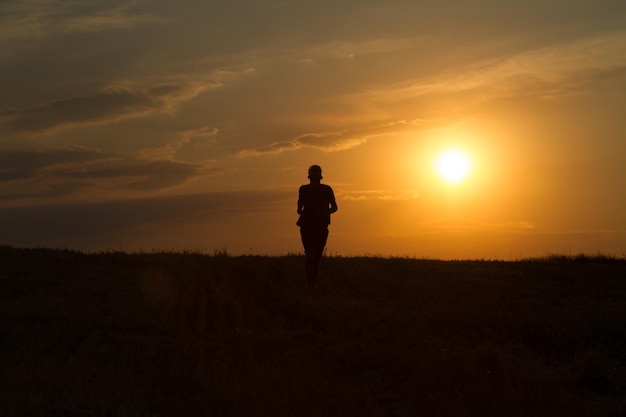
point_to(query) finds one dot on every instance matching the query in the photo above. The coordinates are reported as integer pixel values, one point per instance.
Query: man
(316, 202)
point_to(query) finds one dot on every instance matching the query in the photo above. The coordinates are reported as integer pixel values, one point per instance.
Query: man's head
(315, 172)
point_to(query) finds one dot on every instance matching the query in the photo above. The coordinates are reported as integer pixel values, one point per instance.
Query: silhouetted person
(316, 202)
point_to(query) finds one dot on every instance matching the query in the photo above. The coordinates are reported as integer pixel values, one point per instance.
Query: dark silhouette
(316, 202)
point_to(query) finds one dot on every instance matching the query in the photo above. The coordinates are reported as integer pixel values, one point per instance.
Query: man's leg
(314, 241)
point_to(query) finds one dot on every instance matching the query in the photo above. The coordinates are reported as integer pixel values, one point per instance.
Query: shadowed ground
(168, 334)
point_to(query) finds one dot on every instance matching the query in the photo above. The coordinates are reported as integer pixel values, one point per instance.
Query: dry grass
(170, 334)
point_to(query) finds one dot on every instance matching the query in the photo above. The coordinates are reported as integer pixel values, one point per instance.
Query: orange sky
(142, 125)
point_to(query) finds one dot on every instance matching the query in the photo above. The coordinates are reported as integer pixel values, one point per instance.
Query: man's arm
(333, 203)
(300, 203)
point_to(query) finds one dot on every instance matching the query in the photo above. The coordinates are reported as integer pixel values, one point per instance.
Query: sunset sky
(189, 125)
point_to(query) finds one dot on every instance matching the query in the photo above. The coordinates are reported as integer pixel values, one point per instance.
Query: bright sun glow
(453, 166)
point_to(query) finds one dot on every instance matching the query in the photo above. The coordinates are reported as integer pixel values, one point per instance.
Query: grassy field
(173, 334)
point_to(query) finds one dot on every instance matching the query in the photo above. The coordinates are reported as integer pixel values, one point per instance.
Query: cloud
(407, 195)
(125, 220)
(190, 138)
(348, 49)
(333, 141)
(276, 147)
(108, 106)
(33, 20)
(482, 227)
(20, 165)
(41, 175)
(542, 72)
(550, 70)
(44, 192)
(124, 16)
(378, 195)
(139, 175)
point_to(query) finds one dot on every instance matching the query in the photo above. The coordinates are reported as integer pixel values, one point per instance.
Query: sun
(453, 165)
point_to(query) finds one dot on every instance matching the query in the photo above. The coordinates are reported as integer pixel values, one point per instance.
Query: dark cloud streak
(148, 176)
(111, 105)
(22, 165)
(32, 225)
(67, 171)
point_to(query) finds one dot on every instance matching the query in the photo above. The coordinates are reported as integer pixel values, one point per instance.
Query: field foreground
(168, 334)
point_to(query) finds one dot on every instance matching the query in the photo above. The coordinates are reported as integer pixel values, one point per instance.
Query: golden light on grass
(453, 166)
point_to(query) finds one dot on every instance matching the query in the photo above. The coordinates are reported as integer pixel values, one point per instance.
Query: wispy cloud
(123, 16)
(338, 49)
(378, 195)
(482, 227)
(543, 72)
(333, 141)
(551, 70)
(190, 138)
(31, 20)
(111, 105)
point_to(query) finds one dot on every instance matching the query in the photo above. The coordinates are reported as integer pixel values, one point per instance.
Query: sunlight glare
(453, 166)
